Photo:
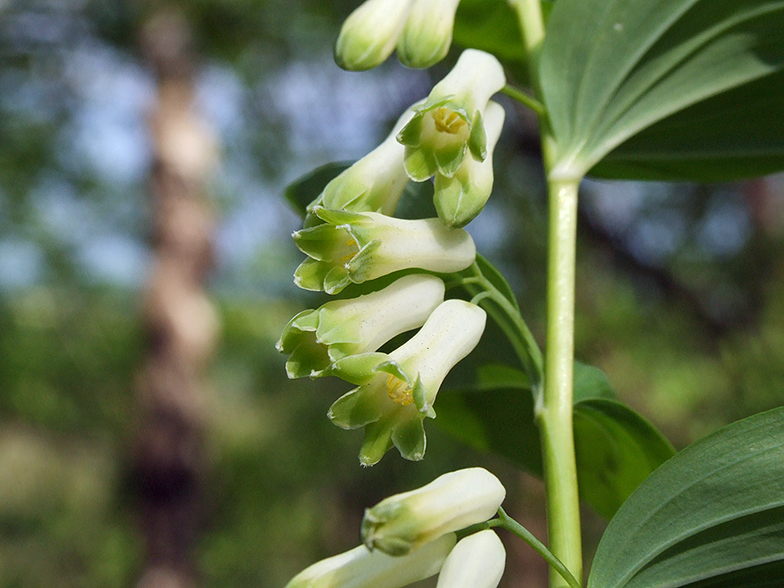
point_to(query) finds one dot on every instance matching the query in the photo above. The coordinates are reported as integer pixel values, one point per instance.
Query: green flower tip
(427, 35)
(460, 198)
(397, 391)
(316, 339)
(450, 123)
(372, 184)
(435, 140)
(357, 247)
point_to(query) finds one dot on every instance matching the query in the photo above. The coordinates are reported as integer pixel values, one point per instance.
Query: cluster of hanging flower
(450, 137)
(411, 536)
(350, 236)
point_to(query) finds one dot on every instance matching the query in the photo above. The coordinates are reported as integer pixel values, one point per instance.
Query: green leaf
(616, 450)
(616, 447)
(500, 421)
(416, 201)
(306, 188)
(590, 382)
(671, 89)
(489, 25)
(492, 376)
(712, 516)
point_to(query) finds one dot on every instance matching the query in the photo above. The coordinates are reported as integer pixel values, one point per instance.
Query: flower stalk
(506, 522)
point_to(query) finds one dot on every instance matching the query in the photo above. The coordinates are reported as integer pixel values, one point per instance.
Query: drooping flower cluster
(449, 136)
(411, 536)
(351, 238)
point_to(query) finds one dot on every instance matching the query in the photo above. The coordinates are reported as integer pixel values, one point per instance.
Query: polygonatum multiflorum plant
(635, 89)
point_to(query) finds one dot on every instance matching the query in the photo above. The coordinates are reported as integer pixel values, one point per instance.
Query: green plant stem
(524, 99)
(506, 522)
(529, 15)
(531, 22)
(555, 412)
(555, 419)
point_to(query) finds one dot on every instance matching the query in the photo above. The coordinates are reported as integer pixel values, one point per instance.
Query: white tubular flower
(427, 34)
(357, 247)
(317, 338)
(372, 184)
(477, 561)
(463, 196)
(397, 391)
(450, 121)
(370, 33)
(360, 568)
(404, 522)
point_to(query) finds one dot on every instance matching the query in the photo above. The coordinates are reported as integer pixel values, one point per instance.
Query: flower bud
(450, 121)
(357, 247)
(404, 522)
(477, 561)
(463, 196)
(427, 34)
(370, 33)
(397, 391)
(372, 184)
(360, 568)
(317, 338)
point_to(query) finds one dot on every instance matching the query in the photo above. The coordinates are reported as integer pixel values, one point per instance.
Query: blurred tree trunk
(179, 320)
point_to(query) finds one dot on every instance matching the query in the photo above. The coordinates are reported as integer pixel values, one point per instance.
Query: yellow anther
(447, 120)
(353, 248)
(399, 391)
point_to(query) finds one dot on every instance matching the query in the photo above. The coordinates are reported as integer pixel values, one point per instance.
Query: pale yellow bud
(370, 33)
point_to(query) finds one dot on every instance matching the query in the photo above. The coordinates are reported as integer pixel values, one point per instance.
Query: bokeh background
(148, 434)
